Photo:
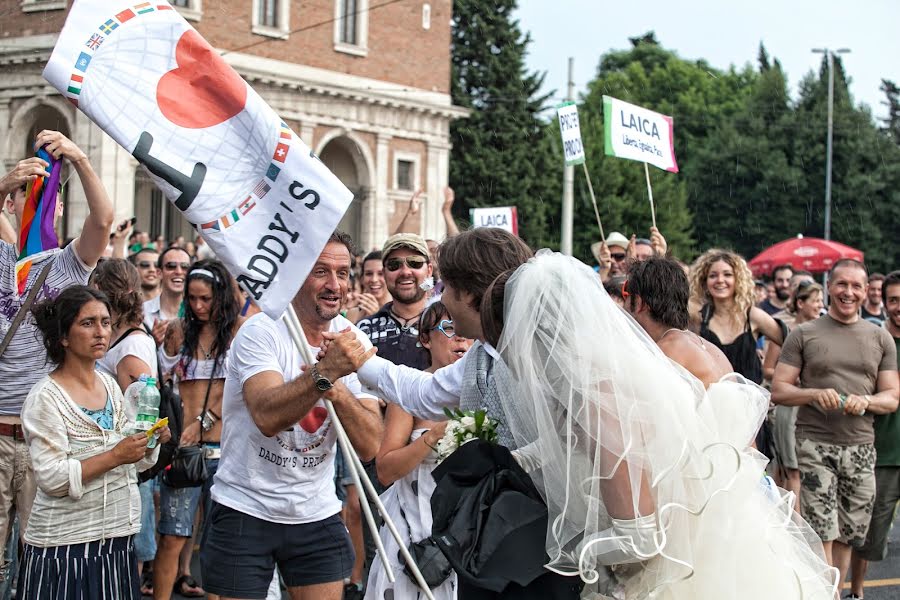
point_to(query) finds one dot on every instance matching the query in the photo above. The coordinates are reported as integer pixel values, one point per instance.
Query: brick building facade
(365, 83)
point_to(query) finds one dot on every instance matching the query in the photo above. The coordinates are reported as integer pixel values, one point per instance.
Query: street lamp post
(828, 144)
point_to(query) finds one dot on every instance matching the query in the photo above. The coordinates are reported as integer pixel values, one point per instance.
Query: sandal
(193, 588)
(147, 583)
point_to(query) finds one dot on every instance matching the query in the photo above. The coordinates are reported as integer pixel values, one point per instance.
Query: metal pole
(568, 199)
(830, 59)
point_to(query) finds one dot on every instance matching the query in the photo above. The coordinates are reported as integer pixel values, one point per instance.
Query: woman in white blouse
(79, 541)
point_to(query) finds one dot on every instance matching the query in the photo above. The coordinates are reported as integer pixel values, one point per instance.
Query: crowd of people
(475, 321)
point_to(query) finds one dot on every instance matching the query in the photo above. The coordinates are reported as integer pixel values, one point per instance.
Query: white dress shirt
(424, 395)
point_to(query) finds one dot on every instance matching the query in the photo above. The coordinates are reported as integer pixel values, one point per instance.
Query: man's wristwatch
(323, 384)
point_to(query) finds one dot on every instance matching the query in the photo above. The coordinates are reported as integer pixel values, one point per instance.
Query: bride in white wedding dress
(652, 488)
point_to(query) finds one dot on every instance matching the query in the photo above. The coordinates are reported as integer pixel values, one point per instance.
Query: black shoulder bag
(188, 468)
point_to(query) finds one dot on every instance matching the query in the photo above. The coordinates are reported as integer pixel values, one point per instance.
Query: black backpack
(169, 406)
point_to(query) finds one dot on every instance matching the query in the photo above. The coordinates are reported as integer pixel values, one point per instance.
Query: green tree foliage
(751, 159)
(501, 155)
(892, 102)
(745, 175)
(864, 165)
(696, 96)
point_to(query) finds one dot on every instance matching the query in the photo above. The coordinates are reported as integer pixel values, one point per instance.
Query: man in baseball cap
(393, 329)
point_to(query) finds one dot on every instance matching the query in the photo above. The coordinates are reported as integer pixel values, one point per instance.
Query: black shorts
(239, 553)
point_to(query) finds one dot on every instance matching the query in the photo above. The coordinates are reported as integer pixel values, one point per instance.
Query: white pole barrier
(357, 472)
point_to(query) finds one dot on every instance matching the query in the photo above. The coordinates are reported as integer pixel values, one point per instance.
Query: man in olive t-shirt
(887, 462)
(840, 370)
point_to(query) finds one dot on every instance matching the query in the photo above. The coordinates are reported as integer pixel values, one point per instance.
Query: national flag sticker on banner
(235, 170)
(636, 133)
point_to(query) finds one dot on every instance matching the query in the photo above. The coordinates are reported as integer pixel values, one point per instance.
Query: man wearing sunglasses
(173, 265)
(146, 261)
(394, 328)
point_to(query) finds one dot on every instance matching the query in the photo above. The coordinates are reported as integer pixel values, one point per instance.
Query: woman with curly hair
(196, 348)
(132, 353)
(723, 311)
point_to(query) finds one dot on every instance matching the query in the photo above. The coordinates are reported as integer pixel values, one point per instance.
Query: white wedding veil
(637, 462)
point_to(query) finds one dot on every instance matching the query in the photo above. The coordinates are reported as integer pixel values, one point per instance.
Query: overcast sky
(723, 32)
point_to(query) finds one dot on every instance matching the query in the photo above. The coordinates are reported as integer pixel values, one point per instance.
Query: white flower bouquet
(462, 428)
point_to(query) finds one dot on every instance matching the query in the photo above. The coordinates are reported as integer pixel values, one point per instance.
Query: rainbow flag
(36, 233)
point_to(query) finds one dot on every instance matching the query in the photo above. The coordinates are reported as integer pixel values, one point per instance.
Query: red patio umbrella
(810, 254)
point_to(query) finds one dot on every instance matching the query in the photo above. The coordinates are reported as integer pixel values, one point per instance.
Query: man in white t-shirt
(274, 499)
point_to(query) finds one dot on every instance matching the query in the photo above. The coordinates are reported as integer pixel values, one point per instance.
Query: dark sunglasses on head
(804, 284)
(413, 262)
(146, 264)
(171, 266)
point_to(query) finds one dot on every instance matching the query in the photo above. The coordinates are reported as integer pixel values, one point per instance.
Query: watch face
(323, 385)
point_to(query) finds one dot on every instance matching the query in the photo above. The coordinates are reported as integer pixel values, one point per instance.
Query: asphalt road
(882, 579)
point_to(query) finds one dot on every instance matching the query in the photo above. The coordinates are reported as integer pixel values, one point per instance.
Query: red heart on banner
(203, 90)
(313, 419)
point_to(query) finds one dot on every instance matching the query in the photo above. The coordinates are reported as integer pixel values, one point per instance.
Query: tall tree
(697, 96)
(746, 174)
(892, 101)
(863, 169)
(501, 155)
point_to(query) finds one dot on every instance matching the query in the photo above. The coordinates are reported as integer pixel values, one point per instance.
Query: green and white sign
(636, 133)
(570, 130)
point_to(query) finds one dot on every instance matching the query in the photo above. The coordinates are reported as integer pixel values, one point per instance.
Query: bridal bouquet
(463, 427)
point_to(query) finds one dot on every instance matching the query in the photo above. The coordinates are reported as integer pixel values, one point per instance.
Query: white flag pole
(593, 200)
(650, 193)
(357, 473)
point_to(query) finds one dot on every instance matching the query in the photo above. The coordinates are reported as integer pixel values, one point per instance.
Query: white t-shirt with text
(289, 477)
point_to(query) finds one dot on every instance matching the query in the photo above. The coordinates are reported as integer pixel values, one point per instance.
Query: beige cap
(412, 241)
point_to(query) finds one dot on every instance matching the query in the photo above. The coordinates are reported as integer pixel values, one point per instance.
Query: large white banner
(255, 192)
(570, 130)
(639, 134)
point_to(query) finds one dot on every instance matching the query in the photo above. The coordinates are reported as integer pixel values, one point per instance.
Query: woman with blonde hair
(723, 312)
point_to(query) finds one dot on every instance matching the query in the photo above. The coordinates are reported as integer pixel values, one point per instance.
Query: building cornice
(279, 74)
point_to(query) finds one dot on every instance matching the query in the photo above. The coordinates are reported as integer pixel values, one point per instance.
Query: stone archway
(350, 160)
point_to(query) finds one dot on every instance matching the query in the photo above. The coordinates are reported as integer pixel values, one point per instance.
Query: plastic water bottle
(131, 402)
(147, 409)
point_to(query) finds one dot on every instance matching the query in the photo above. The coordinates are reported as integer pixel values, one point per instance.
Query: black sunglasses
(146, 264)
(171, 266)
(413, 262)
(617, 257)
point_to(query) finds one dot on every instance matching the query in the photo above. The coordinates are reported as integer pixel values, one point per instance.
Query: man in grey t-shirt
(25, 360)
(840, 370)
